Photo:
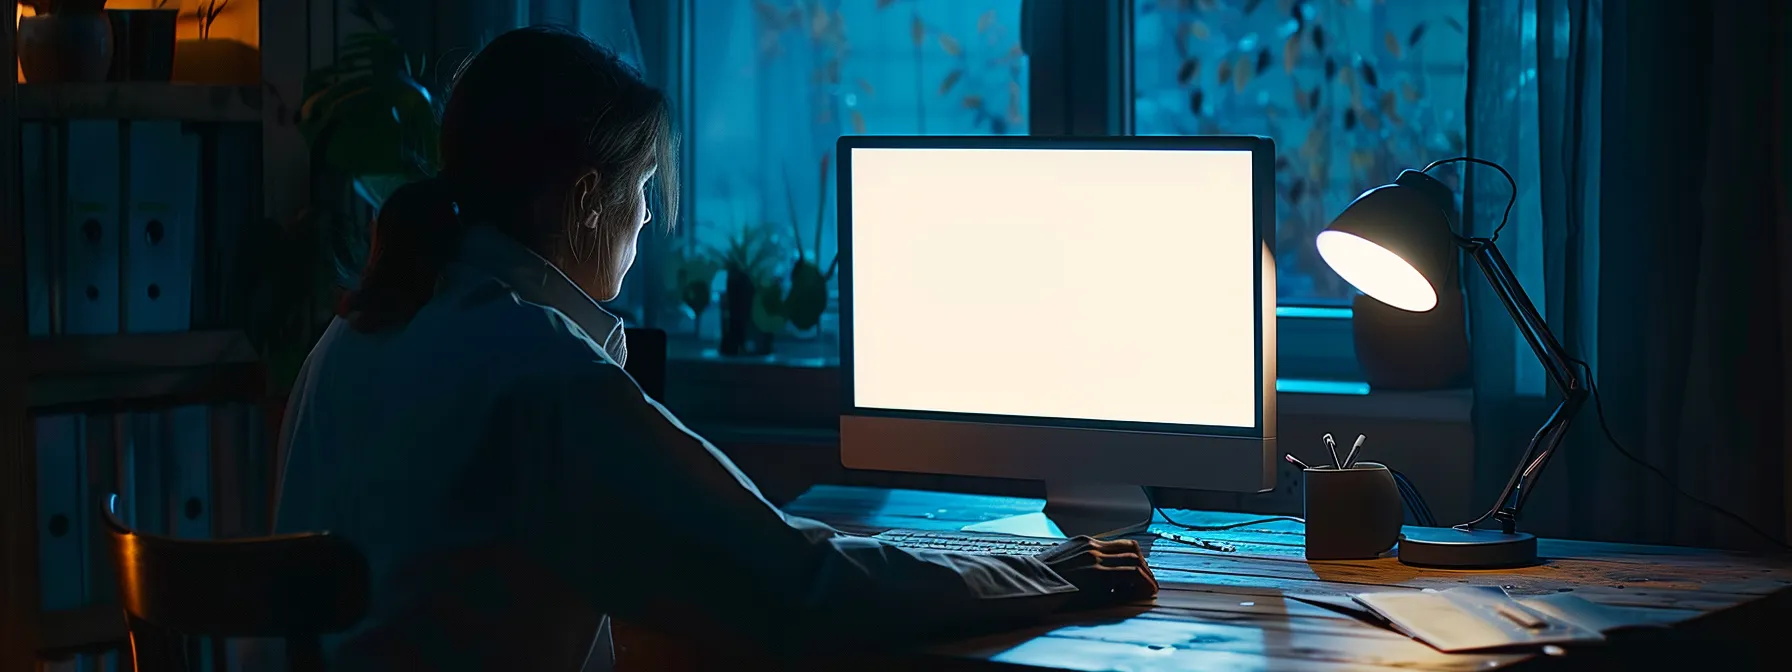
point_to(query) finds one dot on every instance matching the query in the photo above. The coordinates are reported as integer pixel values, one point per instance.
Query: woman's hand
(1105, 573)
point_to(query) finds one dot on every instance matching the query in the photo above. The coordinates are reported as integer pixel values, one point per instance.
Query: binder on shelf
(160, 227)
(37, 144)
(90, 278)
(61, 507)
(104, 443)
(149, 465)
(190, 489)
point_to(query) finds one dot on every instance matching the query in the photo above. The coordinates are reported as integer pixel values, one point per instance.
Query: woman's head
(548, 137)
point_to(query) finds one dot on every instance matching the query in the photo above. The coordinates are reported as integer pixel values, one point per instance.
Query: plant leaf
(1418, 33)
(986, 21)
(950, 45)
(884, 4)
(865, 86)
(1331, 68)
(1225, 72)
(1263, 60)
(1194, 102)
(858, 123)
(1319, 37)
(1290, 53)
(1187, 72)
(973, 102)
(1368, 74)
(768, 308)
(951, 78)
(917, 30)
(808, 297)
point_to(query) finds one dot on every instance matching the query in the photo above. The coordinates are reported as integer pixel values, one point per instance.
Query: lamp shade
(1396, 243)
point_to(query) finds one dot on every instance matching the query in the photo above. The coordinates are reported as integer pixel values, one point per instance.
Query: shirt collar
(538, 281)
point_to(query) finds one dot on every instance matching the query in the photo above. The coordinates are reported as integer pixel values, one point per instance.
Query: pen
(1333, 447)
(1295, 461)
(1350, 458)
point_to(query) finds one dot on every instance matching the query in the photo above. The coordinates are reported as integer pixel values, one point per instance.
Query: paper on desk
(1479, 617)
(1598, 617)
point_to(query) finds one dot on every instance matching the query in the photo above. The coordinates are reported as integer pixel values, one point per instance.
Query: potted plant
(65, 41)
(370, 127)
(807, 295)
(693, 275)
(210, 60)
(747, 261)
(143, 42)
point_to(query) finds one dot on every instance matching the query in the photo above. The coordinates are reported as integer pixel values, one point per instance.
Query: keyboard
(974, 543)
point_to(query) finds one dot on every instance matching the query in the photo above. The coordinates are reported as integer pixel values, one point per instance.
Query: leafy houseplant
(370, 127)
(65, 41)
(748, 261)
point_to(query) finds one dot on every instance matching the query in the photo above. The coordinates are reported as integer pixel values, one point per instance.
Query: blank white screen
(1110, 285)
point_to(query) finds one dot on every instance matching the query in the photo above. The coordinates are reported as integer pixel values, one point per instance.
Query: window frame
(1080, 80)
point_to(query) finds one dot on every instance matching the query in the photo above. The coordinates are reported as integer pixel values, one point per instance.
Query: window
(772, 84)
(1352, 91)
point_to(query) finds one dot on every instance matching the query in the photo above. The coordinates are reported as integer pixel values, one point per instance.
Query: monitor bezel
(1262, 150)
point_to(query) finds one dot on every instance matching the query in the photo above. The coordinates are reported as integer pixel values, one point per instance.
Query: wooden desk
(1234, 611)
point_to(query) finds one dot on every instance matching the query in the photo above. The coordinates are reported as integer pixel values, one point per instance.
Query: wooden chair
(294, 586)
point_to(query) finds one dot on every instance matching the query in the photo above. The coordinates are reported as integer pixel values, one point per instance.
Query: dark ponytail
(416, 232)
(534, 110)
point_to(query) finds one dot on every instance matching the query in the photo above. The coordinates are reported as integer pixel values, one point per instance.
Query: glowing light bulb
(1375, 271)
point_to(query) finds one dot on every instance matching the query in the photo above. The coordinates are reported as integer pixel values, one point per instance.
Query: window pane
(777, 81)
(1353, 91)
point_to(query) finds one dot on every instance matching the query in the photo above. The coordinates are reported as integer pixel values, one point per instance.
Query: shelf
(137, 370)
(84, 630)
(140, 100)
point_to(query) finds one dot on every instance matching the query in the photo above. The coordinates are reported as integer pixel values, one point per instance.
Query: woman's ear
(587, 192)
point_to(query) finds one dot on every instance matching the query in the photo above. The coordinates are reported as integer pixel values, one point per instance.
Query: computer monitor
(1096, 313)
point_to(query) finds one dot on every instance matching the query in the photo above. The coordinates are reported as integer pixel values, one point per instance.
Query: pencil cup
(1352, 514)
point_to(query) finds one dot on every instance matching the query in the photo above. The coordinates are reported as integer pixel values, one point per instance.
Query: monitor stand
(1079, 509)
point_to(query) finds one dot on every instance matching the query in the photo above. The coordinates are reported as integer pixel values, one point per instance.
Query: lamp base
(1450, 548)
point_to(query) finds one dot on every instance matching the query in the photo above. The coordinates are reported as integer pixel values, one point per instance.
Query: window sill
(769, 401)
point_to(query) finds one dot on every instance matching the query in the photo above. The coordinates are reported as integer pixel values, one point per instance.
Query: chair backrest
(647, 360)
(294, 586)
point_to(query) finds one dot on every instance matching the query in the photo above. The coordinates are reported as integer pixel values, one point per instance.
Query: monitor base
(1079, 509)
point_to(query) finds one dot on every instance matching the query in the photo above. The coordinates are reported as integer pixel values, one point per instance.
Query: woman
(466, 422)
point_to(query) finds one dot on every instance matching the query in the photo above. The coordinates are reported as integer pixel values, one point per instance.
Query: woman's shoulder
(515, 332)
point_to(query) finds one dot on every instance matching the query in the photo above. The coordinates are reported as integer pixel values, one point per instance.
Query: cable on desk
(1151, 497)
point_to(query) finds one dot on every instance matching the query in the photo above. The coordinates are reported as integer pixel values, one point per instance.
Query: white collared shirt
(511, 485)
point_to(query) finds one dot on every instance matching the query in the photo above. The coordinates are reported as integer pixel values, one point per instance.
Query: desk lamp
(1398, 243)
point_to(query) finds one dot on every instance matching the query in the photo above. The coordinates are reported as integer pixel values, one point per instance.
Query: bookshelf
(141, 101)
(122, 387)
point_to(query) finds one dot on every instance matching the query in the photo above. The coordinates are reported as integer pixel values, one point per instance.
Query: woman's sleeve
(654, 523)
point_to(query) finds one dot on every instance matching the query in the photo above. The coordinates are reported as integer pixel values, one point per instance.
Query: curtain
(1653, 230)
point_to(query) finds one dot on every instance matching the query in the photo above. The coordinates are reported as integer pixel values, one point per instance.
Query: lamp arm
(1556, 362)
(1549, 351)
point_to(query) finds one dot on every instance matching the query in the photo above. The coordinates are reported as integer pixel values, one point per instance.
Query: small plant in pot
(215, 60)
(65, 41)
(748, 261)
